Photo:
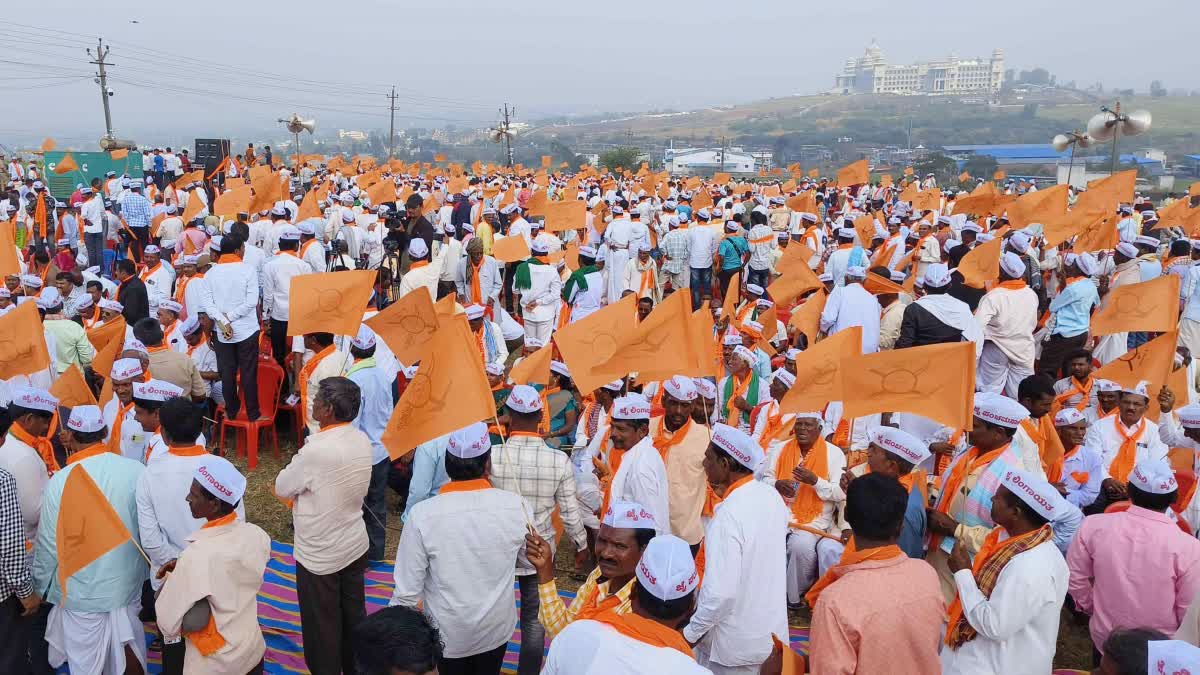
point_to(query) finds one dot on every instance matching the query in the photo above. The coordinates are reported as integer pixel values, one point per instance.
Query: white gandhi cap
(221, 479)
(667, 568)
(469, 442)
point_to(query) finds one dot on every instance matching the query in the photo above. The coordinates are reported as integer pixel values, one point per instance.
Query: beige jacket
(224, 564)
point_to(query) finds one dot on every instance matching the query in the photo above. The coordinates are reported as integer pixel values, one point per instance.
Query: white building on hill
(707, 161)
(870, 74)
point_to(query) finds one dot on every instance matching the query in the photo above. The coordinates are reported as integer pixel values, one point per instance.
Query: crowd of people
(700, 512)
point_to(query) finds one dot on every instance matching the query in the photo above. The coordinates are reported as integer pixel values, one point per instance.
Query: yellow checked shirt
(554, 613)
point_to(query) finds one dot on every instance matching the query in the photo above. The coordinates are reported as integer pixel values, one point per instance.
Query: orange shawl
(644, 630)
(1122, 464)
(850, 556)
(807, 506)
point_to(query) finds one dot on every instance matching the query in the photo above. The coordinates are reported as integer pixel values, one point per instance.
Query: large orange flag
(566, 215)
(267, 191)
(1037, 207)
(449, 391)
(511, 249)
(792, 284)
(87, 528)
(406, 325)
(1106, 194)
(855, 173)
(980, 202)
(935, 381)
(194, 206)
(108, 341)
(662, 345)
(22, 343)
(592, 340)
(817, 380)
(535, 368)
(709, 361)
(1101, 234)
(236, 200)
(865, 227)
(66, 165)
(732, 293)
(807, 317)
(1152, 362)
(1151, 306)
(308, 206)
(982, 264)
(9, 262)
(794, 254)
(329, 302)
(880, 286)
(71, 389)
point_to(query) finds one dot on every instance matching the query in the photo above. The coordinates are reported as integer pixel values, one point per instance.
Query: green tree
(623, 157)
(944, 169)
(981, 166)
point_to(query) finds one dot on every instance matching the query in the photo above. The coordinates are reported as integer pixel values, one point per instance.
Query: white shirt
(29, 472)
(133, 437)
(164, 519)
(231, 291)
(743, 600)
(453, 249)
(1104, 437)
(457, 553)
(158, 285)
(314, 255)
(1018, 624)
(593, 648)
(276, 283)
(829, 490)
(544, 293)
(852, 305)
(490, 280)
(92, 212)
(206, 362)
(702, 246)
(642, 478)
(1008, 319)
(836, 265)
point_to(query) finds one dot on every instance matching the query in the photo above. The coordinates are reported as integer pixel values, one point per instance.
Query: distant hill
(1026, 117)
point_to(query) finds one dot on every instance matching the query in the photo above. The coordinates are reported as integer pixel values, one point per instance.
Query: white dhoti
(829, 552)
(93, 643)
(997, 374)
(678, 281)
(616, 280)
(801, 564)
(1109, 348)
(1189, 336)
(700, 651)
(538, 330)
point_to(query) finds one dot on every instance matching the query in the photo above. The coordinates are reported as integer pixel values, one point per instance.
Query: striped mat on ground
(279, 615)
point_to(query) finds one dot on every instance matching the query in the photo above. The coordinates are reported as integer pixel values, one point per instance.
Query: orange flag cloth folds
(1151, 306)
(807, 316)
(936, 381)
(593, 340)
(330, 302)
(533, 369)
(71, 389)
(1152, 362)
(510, 249)
(982, 264)
(817, 368)
(22, 343)
(855, 173)
(449, 391)
(406, 325)
(662, 345)
(88, 527)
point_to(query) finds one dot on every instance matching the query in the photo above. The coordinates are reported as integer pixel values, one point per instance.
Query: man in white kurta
(641, 476)
(1127, 271)
(741, 604)
(1108, 436)
(617, 238)
(852, 305)
(539, 302)
(1008, 317)
(222, 565)
(32, 410)
(422, 273)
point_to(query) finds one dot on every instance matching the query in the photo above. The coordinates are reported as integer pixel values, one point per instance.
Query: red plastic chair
(270, 379)
(295, 409)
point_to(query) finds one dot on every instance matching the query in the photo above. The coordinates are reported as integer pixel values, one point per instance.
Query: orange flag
(770, 323)
(805, 202)
(794, 254)
(9, 262)
(406, 325)
(813, 173)
(999, 175)
(87, 528)
(308, 207)
(22, 343)
(565, 215)
(865, 227)
(792, 284)
(1038, 207)
(66, 165)
(71, 389)
(807, 317)
(267, 191)
(449, 391)
(1178, 214)
(329, 302)
(817, 368)
(592, 340)
(108, 341)
(1151, 306)
(856, 173)
(702, 332)
(732, 293)
(928, 200)
(535, 368)
(194, 206)
(49, 145)
(982, 264)
(236, 200)
(964, 177)
(381, 192)
(186, 179)
(1152, 361)
(1101, 234)
(510, 249)
(791, 663)
(880, 286)
(1106, 194)
(662, 345)
(936, 381)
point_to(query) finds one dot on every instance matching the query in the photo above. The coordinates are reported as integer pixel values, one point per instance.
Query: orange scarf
(193, 348)
(807, 506)
(418, 265)
(180, 287)
(114, 439)
(40, 217)
(991, 547)
(957, 477)
(1054, 473)
(149, 271)
(1083, 389)
(644, 630)
(1122, 464)
(90, 451)
(229, 258)
(774, 427)
(187, 451)
(40, 444)
(591, 608)
(647, 281)
(476, 293)
(850, 556)
(739, 389)
(305, 372)
(664, 444)
(1012, 284)
(465, 486)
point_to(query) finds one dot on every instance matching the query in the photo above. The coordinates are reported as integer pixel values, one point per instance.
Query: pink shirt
(882, 616)
(1133, 569)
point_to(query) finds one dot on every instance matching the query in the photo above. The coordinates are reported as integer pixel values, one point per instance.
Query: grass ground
(263, 509)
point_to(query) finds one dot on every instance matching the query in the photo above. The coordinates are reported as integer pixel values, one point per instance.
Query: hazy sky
(219, 67)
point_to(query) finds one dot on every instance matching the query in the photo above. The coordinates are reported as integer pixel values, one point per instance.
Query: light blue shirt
(428, 472)
(1072, 308)
(115, 579)
(375, 405)
(762, 363)
(1191, 309)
